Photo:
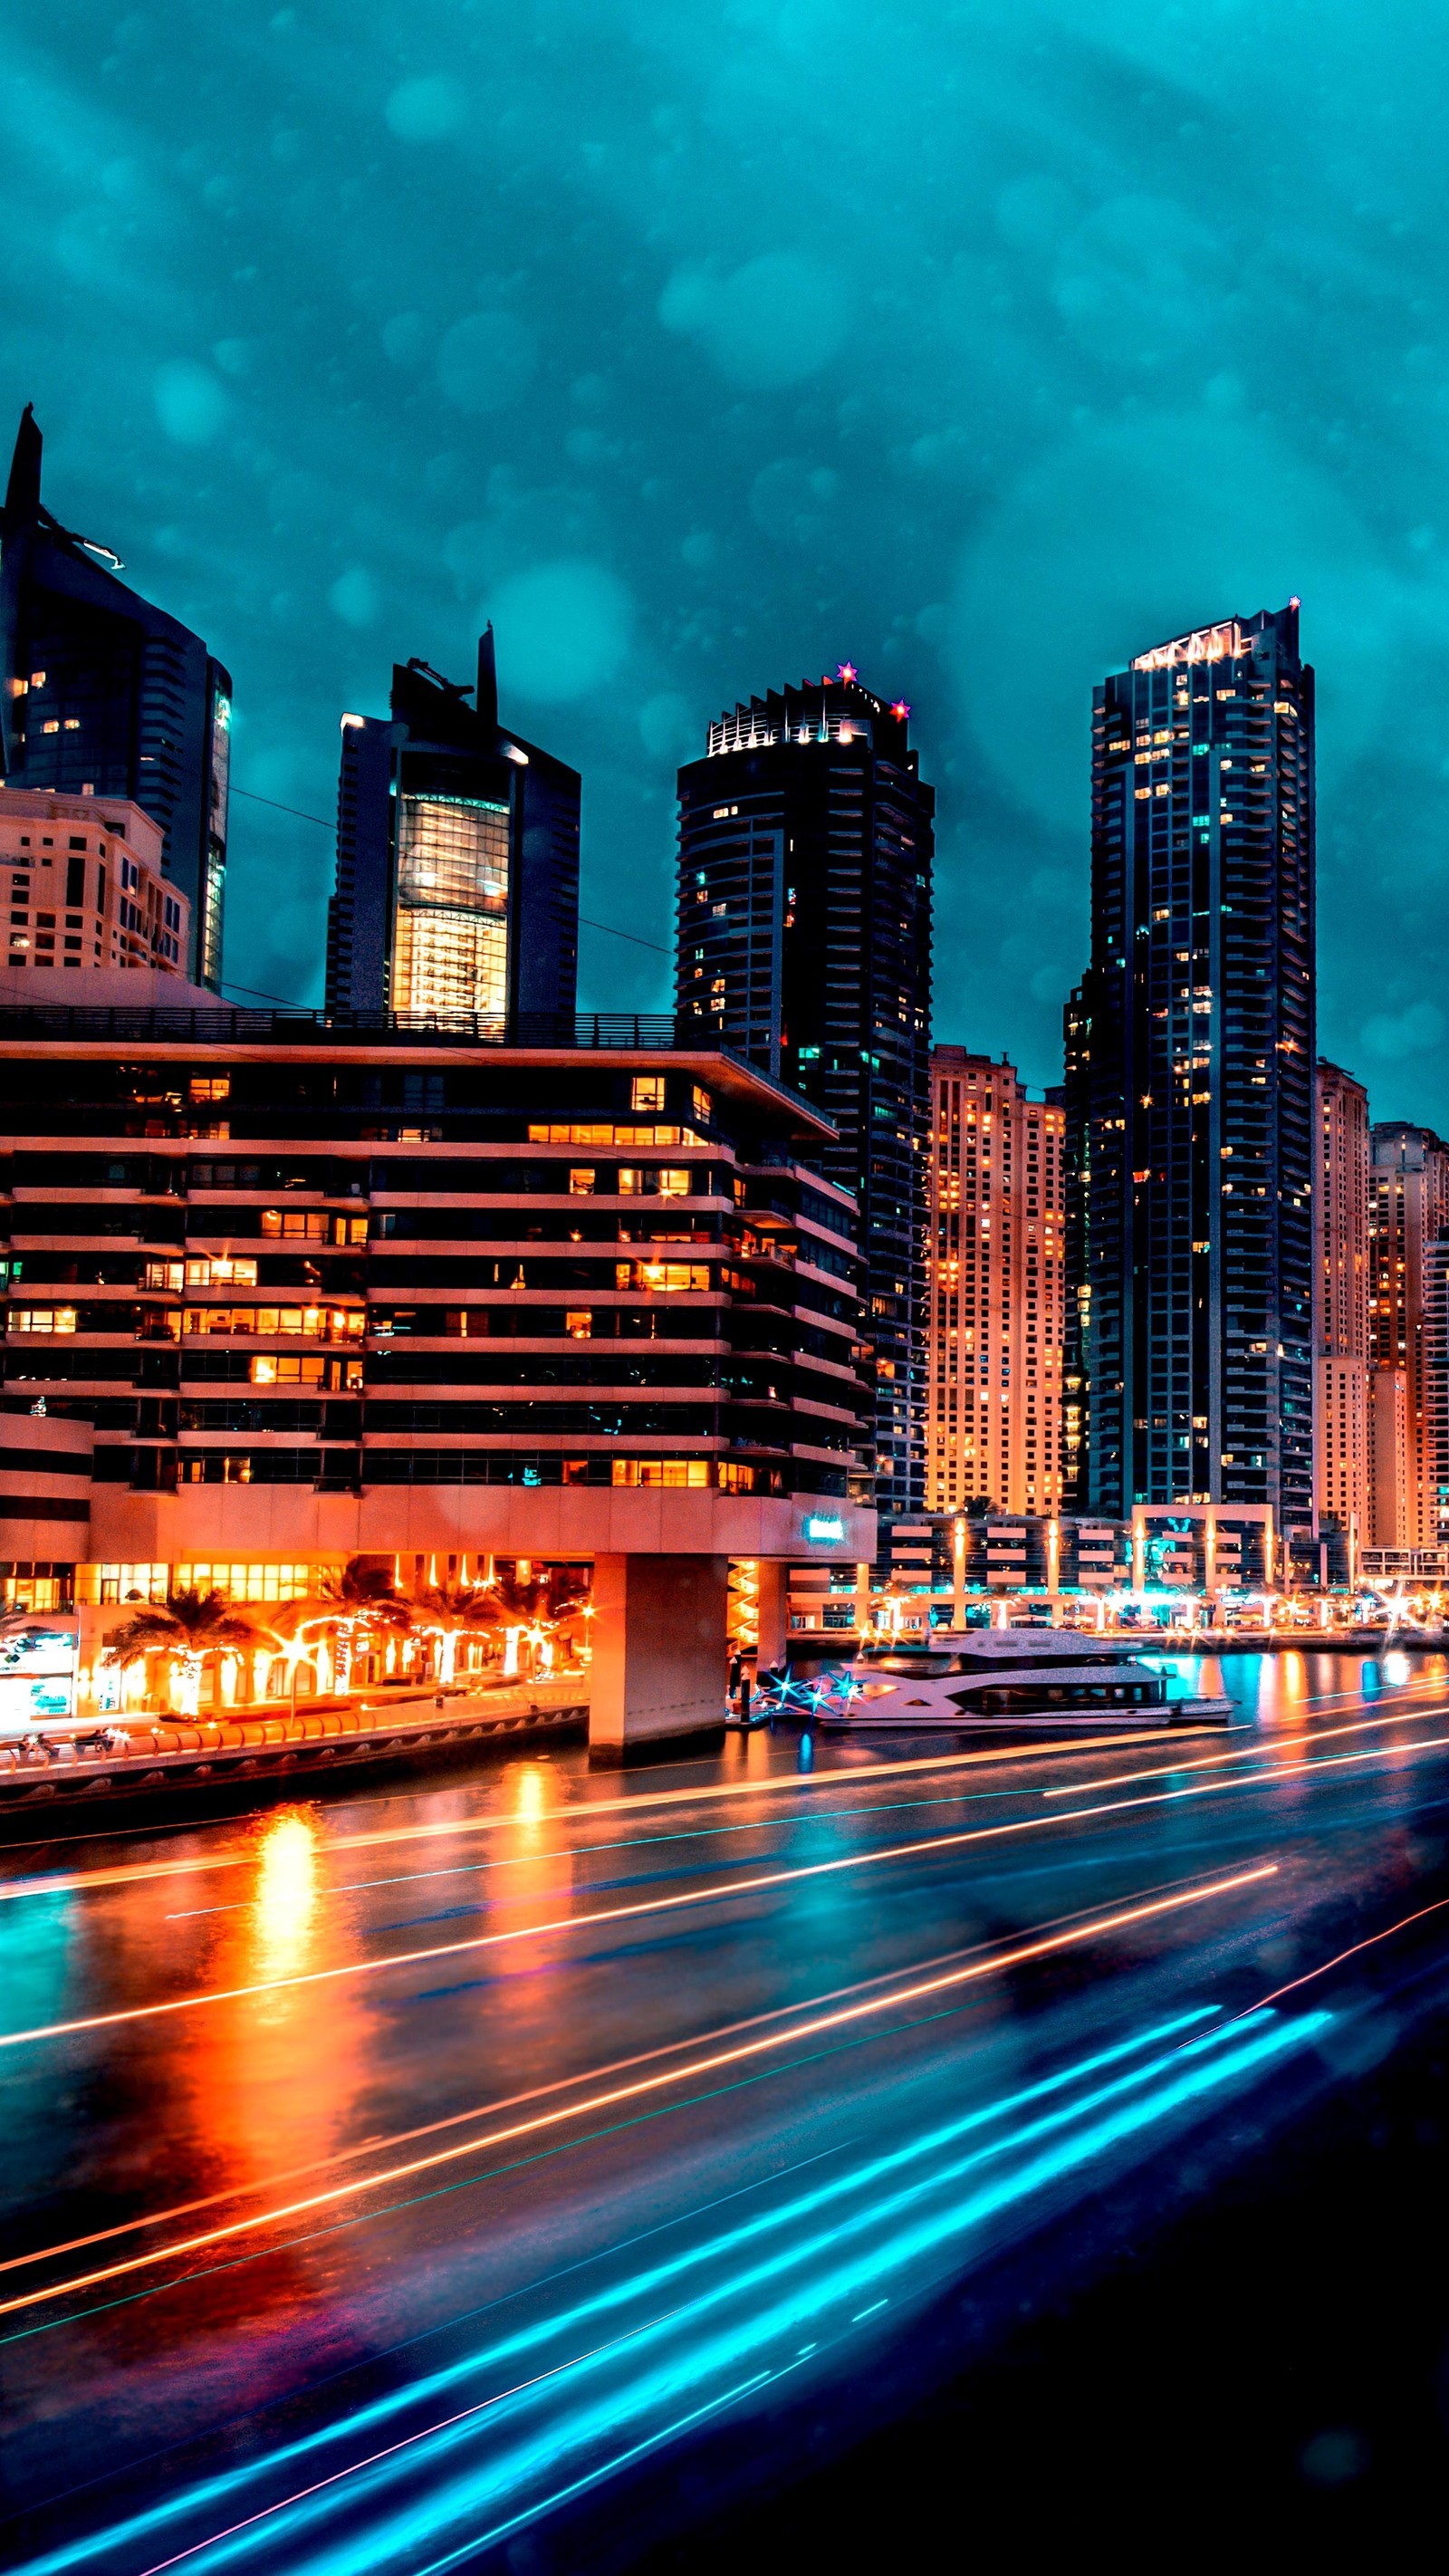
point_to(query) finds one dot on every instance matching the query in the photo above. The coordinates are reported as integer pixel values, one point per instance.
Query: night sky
(704, 347)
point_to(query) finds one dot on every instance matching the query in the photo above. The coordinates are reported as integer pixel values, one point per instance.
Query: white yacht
(1007, 1678)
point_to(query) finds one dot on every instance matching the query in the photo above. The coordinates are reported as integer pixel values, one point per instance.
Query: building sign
(37, 1671)
(824, 1529)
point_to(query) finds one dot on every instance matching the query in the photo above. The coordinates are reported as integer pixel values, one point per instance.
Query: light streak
(1259, 1752)
(534, 2093)
(839, 2019)
(767, 1783)
(659, 2276)
(1057, 2144)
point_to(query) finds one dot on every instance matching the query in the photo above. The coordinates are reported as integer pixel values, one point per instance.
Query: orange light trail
(811, 2028)
(654, 1905)
(143, 1871)
(1249, 1753)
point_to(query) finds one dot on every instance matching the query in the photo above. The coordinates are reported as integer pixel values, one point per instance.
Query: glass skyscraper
(457, 862)
(1190, 1084)
(103, 695)
(804, 941)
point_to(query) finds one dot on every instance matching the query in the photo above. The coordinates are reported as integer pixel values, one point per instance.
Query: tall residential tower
(103, 695)
(1191, 1055)
(1409, 1212)
(1342, 1226)
(995, 1288)
(805, 851)
(457, 890)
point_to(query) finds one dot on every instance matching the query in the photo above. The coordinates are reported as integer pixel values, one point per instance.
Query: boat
(1006, 1679)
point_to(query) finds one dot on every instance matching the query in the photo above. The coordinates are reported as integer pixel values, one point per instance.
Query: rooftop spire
(486, 700)
(22, 492)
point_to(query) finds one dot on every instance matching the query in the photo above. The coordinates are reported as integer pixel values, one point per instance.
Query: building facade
(1342, 1221)
(995, 1292)
(1190, 1083)
(804, 941)
(315, 1298)
(457, 893)
(1409, 1212)
(87, 890)
(102, 695)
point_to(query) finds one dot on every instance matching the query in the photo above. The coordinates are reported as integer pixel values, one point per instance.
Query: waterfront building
(427, 1300)
(1409, 1210)
(1190, 1083)
(102, 695)
(1342, 1223)
(995, 1289)
(804, 942)
(88, 894)
(457, 892)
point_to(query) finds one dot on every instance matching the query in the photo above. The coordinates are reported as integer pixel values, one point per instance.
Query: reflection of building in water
(457, 860)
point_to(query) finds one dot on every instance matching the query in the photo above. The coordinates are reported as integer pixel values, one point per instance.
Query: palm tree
(542, 1607)
(188, 1628)
(448, 1610)
(356, 1604)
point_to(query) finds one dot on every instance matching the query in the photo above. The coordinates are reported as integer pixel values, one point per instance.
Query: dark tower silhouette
(103, 695)
(457, 860)
(1190, 1082)
(804, 940)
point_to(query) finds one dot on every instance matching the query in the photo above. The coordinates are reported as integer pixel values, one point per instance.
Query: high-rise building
(805, 850)
(1190, 1066)
(457, 891)
(103, 695)
(1409, 1211)
(1343, 1303)
(87, 894)
(995, 1288)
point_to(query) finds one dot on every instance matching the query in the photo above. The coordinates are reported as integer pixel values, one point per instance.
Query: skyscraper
(805, 850)
(1190, 1066)
(995, 1288)
(457, 888)
(1342, 1225)
(1409, 1212)
(103, 695)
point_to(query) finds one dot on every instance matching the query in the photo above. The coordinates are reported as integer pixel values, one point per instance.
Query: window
(647, 1091)
(579, 1323)
(667, 1277)
(164, 1274)
(41, 1319)
(302, 1225)
(581, 1180)
(661, 1471)
(222, 1271)
(209, 1086)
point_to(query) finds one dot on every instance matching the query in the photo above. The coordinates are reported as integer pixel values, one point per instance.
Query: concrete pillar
(774, 1596)
(862, 1601)
(659, 1670)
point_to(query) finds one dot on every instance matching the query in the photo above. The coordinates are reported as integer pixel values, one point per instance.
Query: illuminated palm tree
(355, 1605)
(188, 1629)
(540, 1607)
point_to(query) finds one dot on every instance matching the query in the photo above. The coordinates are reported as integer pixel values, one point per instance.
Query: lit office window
(451, 949)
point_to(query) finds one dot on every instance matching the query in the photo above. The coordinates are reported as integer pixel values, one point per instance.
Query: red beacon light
(900, 709)
(845, 671)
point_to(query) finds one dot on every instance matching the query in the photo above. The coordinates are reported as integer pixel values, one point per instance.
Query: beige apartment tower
(1409, 1210)
(996, 1287)
(1342, 1409)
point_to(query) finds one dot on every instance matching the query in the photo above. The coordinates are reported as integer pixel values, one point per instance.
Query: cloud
(1389, 1035)
(773, 322)
(563, 629)
(423, 111)
(354, 598)
(191, 403)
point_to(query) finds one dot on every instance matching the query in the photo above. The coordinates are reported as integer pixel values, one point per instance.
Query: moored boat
(1005, 1679)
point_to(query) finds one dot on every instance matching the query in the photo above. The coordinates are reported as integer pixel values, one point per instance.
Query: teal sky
(708, 347)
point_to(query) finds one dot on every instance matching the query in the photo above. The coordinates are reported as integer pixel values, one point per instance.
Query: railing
(222, 1022)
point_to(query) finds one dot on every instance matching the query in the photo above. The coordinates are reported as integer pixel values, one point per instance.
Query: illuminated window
(581, 1180)
(42, 1319)
(223, 1271)
(579, 1323)
(661, 1471)
(210, 1086)
(451, 949)
(647, 1091)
